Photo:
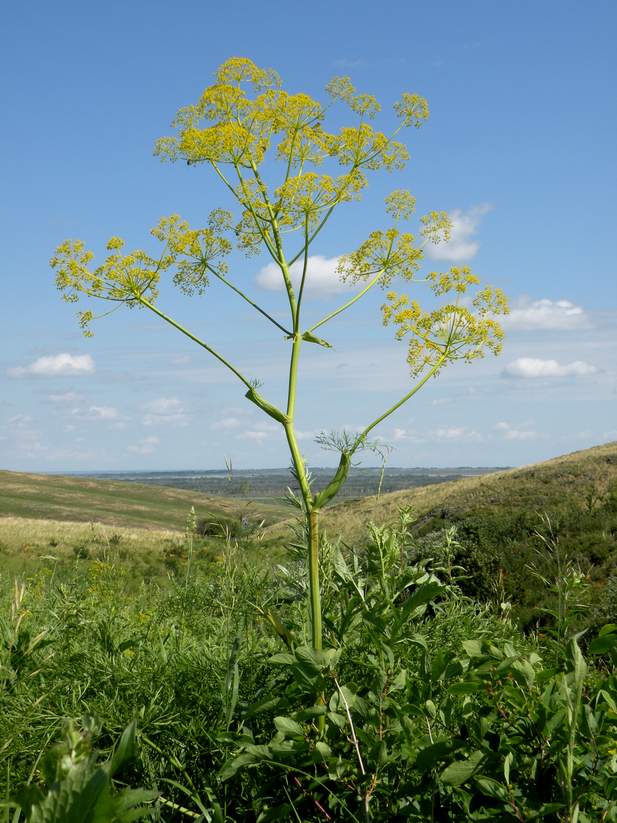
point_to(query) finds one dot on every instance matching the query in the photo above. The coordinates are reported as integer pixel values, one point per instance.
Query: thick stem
(314, 587)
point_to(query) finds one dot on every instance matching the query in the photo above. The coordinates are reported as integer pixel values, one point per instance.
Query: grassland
(577, 481)
(202, 642)
(132, 505)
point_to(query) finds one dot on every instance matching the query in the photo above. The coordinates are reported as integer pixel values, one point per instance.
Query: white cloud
(259, 432)
(511, 433)
(66, 397)
(20, 421)
(305, 435)
(145, 446)
(103, 413)
(55, 365)
(226, 423)
(410, 435)
(165, 411)
(321, 278)
(253, 434)
(534, 367)
(96, 413)
(545, 314)
(459, 433)
(461, 246)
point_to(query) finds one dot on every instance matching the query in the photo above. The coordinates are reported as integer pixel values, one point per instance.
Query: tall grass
(424, 704)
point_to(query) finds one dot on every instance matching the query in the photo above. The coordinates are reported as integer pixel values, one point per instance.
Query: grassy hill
(500, 520)
(577, 480)
(82, 499)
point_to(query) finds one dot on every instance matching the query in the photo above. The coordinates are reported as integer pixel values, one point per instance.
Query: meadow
(468, 671)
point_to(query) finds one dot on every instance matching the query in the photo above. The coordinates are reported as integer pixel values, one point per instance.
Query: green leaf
(311, 338)
(125, 750)
(323, 749)
(422, 595)
(466, 687)
(232, 767)
(287, 726)
(603, 643)
(473, 648)
(430, 755)
(462, 770)
(283, 659)
(491, 788)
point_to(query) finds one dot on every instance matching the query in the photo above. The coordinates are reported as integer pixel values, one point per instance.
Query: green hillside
(500, 520)
(569, 480)
(82, 499)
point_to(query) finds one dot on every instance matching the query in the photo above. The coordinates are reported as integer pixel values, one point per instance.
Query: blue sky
(519, 150)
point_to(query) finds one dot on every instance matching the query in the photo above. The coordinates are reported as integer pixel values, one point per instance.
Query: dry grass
(117, 503)
(31, 538)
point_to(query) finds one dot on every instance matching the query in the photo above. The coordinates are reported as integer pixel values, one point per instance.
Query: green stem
(248, 300)
(350, 302)
(403, 400)
(314, 586)
(195, 339)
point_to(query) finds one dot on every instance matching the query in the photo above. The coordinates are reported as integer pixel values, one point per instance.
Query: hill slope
(576, 480)
(83, 499)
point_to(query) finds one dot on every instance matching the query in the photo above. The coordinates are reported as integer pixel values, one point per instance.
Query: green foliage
(78, 789)
(423, 705)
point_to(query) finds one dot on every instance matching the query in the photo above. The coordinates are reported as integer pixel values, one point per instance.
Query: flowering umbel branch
(241, 120)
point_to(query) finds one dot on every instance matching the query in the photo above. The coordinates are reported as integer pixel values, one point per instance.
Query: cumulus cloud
(257, 436)
(545, 314)
(459, 433)
(145, 446)
(106, 414)
(410, 435)
(258, 432)
(19, 421)
(461, 246)
(55, 365)
(321, 278)
(530, 368)
(165, 411)
(65, 397)
(226, 423)
(511, 433)
(103, 413)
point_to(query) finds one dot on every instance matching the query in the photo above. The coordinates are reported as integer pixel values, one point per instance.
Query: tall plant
(243, 127)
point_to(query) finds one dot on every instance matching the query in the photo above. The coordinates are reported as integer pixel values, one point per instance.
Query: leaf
(311, 338)
(578, 663)
(323, 749)
(491, 788)
(462, 770)
(430, 755)
(466, 687)
(605, 642)
(473, 648)
(232, 767)
(287, 726)
(283, 659)
(422, 595)
(125, 750)
(506, 766)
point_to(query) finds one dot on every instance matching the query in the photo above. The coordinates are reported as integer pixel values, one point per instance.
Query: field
(469, 670)
(87, 500)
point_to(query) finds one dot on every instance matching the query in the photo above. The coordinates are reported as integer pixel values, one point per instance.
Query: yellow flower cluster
(130, 278)
(436, 227)
(391, 252)
(451, 332)
(195, 251)
(400, 204)
(457, 279)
